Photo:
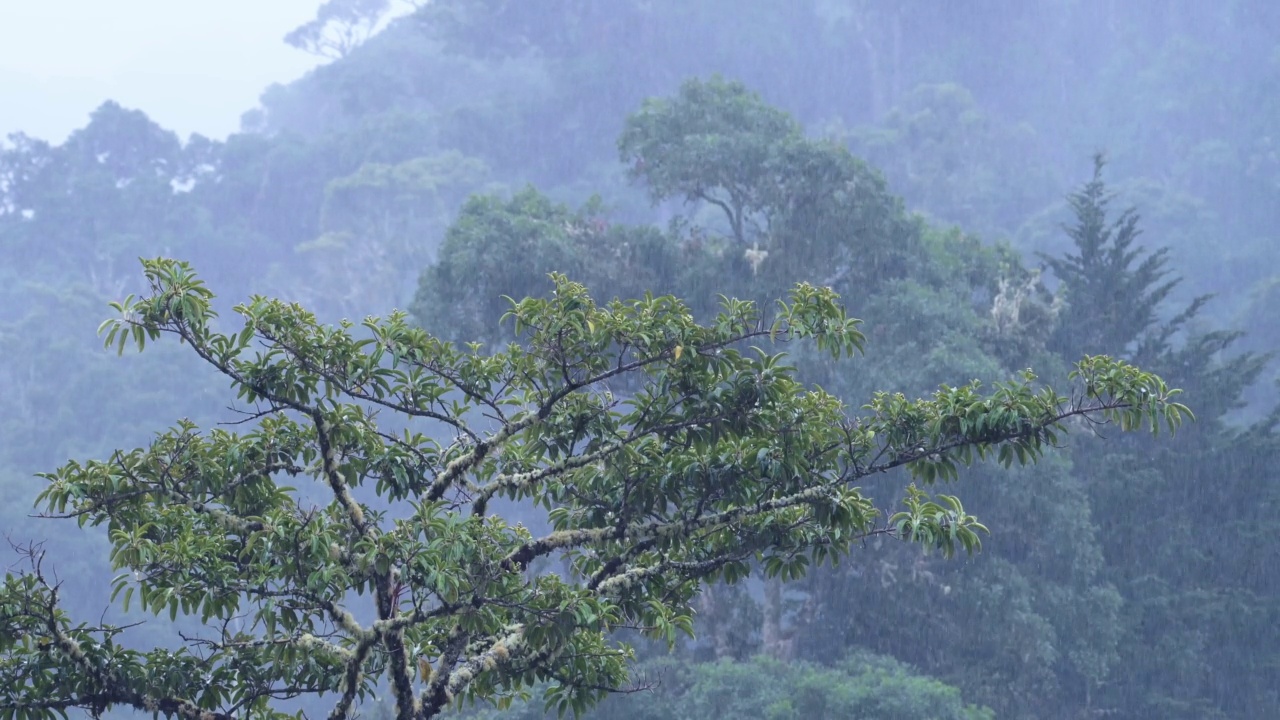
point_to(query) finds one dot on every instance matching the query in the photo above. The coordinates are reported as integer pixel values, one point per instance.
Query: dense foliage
(716, 459)
(766, 689)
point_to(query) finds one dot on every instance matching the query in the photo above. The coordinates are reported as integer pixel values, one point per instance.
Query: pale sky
(191, 65)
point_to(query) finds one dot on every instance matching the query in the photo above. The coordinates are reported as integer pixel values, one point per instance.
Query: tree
(498, 248)
(380, 225)
(73, 219)
(715, 143)
(104, 195)
(1114, 290)
(945, 155)
(339, 27)
(1184, 596)
(792, 207)
(718, 459)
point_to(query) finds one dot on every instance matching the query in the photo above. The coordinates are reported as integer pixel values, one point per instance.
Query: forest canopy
(986, 189)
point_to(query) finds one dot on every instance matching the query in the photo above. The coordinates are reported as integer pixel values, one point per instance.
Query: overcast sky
(191, 65)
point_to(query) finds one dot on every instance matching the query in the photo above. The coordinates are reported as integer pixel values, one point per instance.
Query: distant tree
(793, 208)
(719, 459)
(74, 218)
(1114, 288)
(1185, 595)
(715, 143)
(379, 226)
(93, 204)
(948, 157)
(504, 247)
(339, 27)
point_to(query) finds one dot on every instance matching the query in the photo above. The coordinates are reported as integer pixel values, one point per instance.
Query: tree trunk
(777, 643)
(714, 614)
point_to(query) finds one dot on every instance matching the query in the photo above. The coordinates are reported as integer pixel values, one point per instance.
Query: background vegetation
(915, 156)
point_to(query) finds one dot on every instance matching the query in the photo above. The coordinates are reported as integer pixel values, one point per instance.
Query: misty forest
(641, 359)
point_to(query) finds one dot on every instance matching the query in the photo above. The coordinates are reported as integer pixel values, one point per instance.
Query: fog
(195, 65)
